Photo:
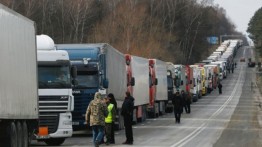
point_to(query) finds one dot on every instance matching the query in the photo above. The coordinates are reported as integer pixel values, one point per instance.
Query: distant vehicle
(242, 59)
(251, 63)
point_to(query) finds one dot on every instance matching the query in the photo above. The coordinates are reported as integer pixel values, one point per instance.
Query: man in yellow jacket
(109, 120)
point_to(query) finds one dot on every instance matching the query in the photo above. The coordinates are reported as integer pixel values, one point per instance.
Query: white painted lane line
(191, 135)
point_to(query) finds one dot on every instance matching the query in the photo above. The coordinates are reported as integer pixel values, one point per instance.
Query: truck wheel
(54, 141)
(12, 135)
(25, 135)
(19, 134)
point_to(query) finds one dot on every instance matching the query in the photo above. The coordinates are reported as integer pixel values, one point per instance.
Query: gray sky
(240, 11)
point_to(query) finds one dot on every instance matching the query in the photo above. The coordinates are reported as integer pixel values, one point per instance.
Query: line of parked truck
(46, 87)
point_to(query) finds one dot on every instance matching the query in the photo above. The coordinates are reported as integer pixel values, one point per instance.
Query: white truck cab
(55, 93)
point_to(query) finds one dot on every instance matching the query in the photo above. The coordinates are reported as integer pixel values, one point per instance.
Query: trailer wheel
(12, 138)
(19, 134)
(25, 135)
(54, 141)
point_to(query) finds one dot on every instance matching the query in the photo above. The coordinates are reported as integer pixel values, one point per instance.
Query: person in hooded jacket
(127, 113)
(95, 116)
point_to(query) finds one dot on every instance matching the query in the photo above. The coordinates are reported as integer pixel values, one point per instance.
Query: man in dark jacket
(220, 88)
(188, 102)
(183, 96)
(177, 102)
(127, 113)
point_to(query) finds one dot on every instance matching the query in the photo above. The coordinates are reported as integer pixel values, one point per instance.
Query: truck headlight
(67, 123)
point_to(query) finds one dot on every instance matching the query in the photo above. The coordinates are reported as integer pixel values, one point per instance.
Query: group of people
(181, 101)
(232, 67)
(101, 115)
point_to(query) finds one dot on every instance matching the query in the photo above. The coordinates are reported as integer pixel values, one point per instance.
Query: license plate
(75, 123)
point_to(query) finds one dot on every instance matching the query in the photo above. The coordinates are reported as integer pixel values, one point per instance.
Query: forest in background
(169, 30)
(255, 30)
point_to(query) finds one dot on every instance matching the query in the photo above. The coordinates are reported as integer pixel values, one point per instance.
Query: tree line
(255, 30)
(169, 30)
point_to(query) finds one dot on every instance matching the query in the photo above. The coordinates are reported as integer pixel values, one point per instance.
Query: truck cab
(197, 88)
(189, 79)
(90, 63)
(203, 80)
(55, 93)
(137, 71)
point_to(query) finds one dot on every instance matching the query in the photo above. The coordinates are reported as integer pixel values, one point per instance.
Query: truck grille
(53, 103)
(49, 120)
(81, 104)
(49, 109)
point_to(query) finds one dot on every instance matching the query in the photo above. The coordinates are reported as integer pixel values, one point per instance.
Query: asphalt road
(232, 119)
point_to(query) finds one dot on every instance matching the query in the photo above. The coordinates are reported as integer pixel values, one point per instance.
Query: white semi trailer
(18, 79)
(161, 87)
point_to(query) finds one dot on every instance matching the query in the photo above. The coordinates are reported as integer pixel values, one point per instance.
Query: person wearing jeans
(98, 133)
(95, 116)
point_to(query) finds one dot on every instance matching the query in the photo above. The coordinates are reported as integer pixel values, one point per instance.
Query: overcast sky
(240, 11)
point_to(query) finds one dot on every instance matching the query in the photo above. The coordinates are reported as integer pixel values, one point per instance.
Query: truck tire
(12, 138)
(25, 141)
(19, 134)
(54, 141)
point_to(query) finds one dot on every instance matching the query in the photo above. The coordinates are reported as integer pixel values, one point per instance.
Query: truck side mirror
(73, 71)
(105, 83)
(133, 82)
(74, 82)
(191, 82)
(156, 81)
(182, 83)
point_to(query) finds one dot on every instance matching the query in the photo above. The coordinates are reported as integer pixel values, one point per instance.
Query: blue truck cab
(91, 77)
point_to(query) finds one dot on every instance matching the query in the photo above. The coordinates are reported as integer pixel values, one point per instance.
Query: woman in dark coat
(178, 106)
(220, 88)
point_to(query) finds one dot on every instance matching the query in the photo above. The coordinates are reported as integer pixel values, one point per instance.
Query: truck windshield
(54, 77)
(87, 79)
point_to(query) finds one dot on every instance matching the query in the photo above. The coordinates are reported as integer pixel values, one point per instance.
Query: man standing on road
(232, 67)
(187, 102)
(177, 102)
(127, 113)
(95, 116)
(228, 68)
(109, 120)
(113, 101)
(183, 96)
(220, 88)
